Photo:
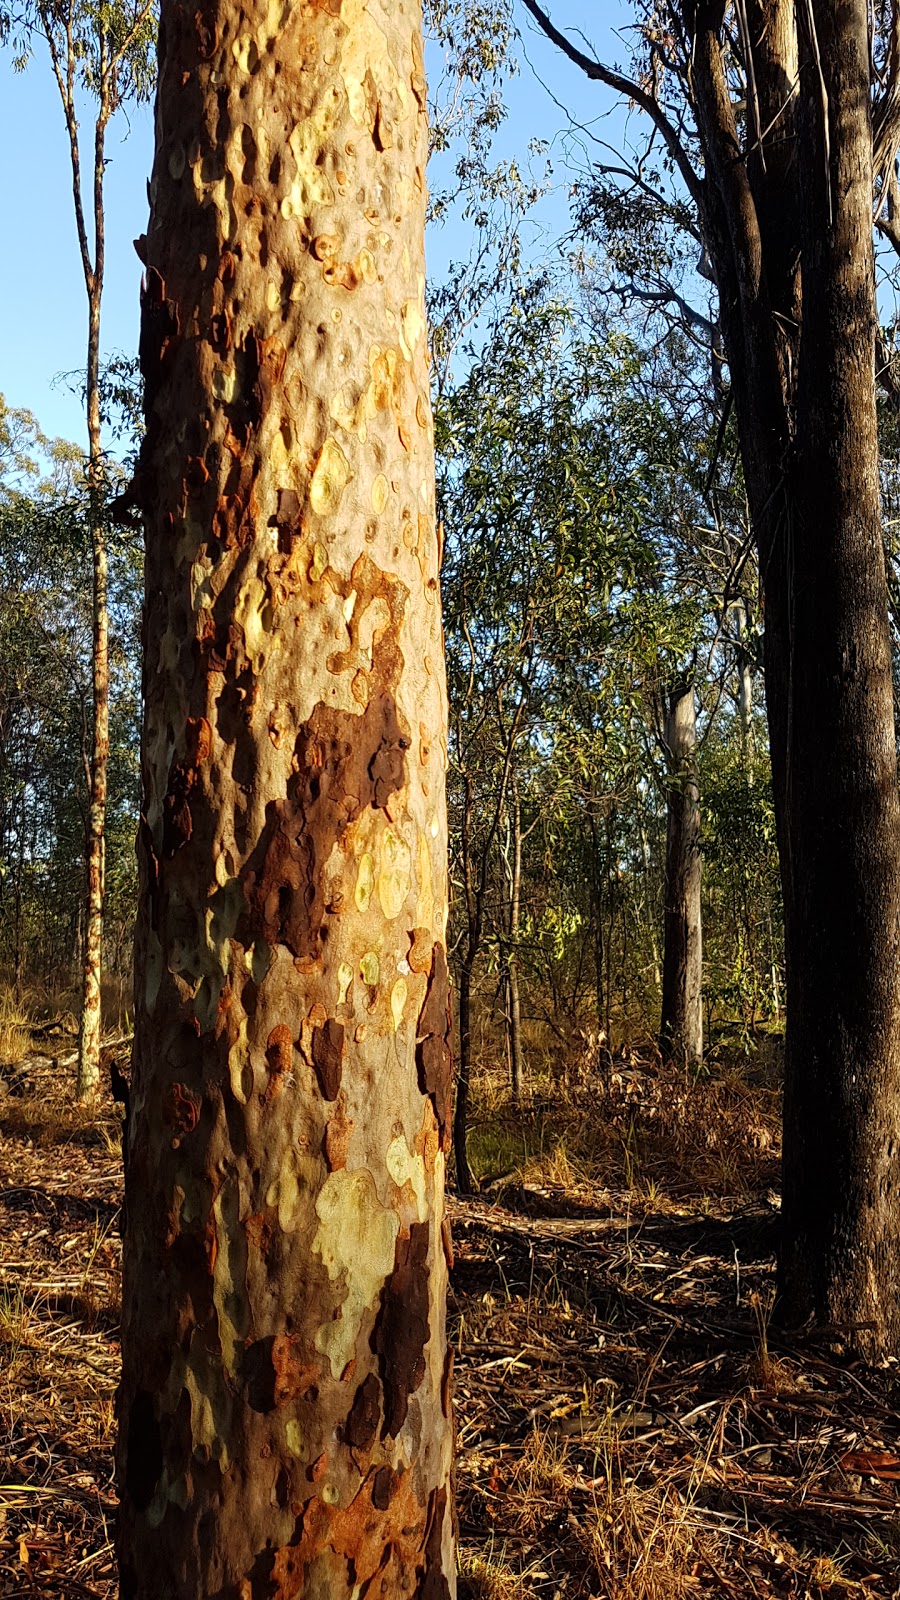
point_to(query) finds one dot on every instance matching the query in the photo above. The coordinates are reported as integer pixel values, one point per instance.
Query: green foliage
(45, 707)
(111, 47)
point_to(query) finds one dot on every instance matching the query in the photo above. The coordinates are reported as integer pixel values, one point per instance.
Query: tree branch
(624, 86)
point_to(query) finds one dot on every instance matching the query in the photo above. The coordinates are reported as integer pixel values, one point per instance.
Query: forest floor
(630, 1426)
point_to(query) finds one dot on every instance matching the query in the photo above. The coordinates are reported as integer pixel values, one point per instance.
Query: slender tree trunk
(681, 1026)
(745, 694)
(514, 1008)
(285, 1422)
(596, 881)
(463, 1079)
(88, 1080)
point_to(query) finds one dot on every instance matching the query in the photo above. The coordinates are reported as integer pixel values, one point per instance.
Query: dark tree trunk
(681, 1025)
(463, 1080)
(836, 784)
(802, 367)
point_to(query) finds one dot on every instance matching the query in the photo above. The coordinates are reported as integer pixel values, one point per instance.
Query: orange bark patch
(274, 1373)
(181, 1110)
(344, 763)
(385, 1542)
(279, 1057)
(338, 1134)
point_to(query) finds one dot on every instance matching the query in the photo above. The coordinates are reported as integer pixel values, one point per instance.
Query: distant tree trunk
(88, 1081)
(66, 65)
(285, 1424)
(511, 975)
(745, 693)
(596, 883)
(463, 1081)
(681, 1026)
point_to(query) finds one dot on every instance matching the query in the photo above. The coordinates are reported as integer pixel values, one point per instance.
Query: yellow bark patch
(355, 1239)
(370, 968)
(406, 1167)
(366, 64)
(308, 142)
(398, 1002)
(425, 900)
(229, 1295)
(382, 392)
(319, 564)
(255, 615)
(412, 326)
(330, 478)
(293, 1437)
(224, 384)
(245, 53)
(284, 1195)
(345, 978)
(380, 494)
(239, 1069)
(394, 877)
(365, 882)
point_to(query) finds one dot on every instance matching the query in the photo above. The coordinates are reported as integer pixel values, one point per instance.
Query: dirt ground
(630, 1425)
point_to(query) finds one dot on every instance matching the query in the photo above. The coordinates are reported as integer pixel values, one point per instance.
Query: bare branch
(632, 91)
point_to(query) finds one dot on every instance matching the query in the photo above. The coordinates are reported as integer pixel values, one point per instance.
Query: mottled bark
(681, 1025)
(285, 1424)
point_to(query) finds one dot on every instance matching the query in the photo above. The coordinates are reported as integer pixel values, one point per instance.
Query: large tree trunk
(836, 766)
(285, 1420)
(681, 1025)
(792, 245)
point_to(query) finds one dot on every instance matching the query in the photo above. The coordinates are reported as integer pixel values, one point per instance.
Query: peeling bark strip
(284, 1426)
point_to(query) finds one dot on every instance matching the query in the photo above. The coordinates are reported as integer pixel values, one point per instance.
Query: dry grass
(60, 1177)
(16, 1023)
(631, 1424)
(632, 1124)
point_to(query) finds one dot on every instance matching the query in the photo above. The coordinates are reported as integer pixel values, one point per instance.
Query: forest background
(597, 570)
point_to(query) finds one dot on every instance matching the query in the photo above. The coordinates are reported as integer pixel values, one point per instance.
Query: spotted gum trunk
(285, 1425)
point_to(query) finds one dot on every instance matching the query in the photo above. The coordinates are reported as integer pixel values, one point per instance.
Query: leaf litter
(631, 1424)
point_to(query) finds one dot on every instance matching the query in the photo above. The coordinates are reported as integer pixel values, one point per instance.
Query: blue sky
(42, 299)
